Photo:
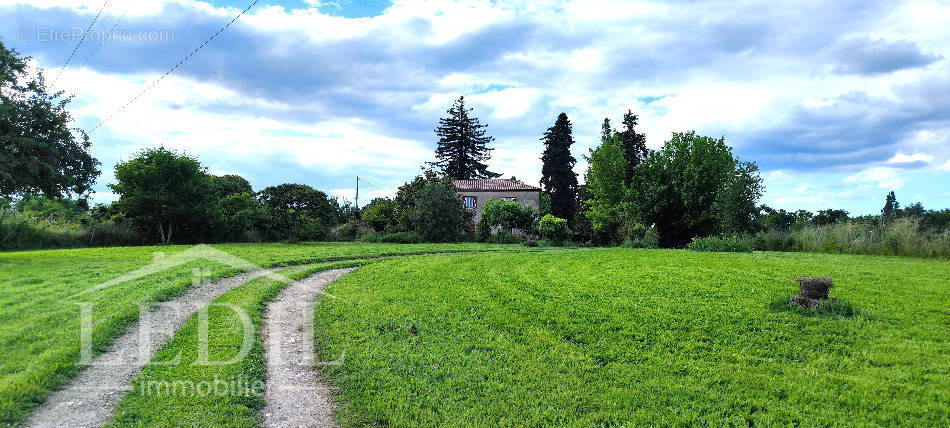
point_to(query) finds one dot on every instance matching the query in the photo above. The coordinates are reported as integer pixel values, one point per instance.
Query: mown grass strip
(637, 338)
(212, 395)
(39, 321)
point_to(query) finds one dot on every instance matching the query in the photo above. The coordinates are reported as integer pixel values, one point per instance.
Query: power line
(80, 42)
(135, 98)
(111, 30)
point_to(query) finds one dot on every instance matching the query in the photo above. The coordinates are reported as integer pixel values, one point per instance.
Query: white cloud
(335, 95)
(885, 177)
(900, 157)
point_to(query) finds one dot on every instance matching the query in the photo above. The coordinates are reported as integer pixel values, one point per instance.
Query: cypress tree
(558, 178)
(463, 146)
(634, 144)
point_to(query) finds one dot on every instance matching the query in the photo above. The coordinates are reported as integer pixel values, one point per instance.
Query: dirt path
(295, 392)
(89, 400)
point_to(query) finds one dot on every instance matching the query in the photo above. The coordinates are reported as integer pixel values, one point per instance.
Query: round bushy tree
(438, 214)
(507, 215)
(39, 152)
(554, 229)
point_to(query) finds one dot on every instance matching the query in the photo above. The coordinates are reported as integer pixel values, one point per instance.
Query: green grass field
(638, 337)
(39, 321)
(576, 337)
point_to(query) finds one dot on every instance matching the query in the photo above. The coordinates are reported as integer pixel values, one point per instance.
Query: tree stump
(805, 302)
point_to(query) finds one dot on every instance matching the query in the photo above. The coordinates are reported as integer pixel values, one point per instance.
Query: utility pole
(357, 196)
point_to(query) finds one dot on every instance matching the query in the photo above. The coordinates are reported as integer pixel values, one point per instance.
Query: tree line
(692, 187)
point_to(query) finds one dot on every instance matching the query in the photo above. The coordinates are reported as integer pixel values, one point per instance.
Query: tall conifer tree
(463, 145)
(606, 130)
(634, 144)
(558, 178)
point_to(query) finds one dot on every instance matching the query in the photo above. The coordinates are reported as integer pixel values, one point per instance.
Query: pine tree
(891, 207)
(634, 144)
(463, 145)
(606, 131)
(558, 178)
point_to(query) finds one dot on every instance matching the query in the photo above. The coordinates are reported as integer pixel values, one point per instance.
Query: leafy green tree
(438, 213)
(772, 219)
(735, 205)
(558, 178)
(544, 204)
(830, 216)
(408, 194)
(162, 189)
(346, 211)
(234, 210)
(915, 210)
(582, 227)
(39, 153)
(230, 184)
(634, 144)
(380, 214)
(891, 208)
(53, 209)
(463, 145)
(297, 211)
(606, 203)
(937, 221)
(235, 216)
(507, 215)
(680, 185)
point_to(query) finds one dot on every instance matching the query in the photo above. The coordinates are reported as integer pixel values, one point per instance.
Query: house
(475, 193)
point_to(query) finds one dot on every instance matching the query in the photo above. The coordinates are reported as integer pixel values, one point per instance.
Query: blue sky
(837, 107)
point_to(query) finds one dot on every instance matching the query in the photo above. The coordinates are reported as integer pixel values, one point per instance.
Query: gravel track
(89, 399)
(296, 394)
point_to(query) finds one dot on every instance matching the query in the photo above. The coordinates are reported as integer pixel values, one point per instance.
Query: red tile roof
(491, 185)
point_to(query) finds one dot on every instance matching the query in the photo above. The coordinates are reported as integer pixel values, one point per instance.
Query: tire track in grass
(146, 404)
(89, 399)
(296, 394)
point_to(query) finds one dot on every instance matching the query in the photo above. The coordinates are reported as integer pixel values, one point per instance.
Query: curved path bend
(89, 399)
(295, 393)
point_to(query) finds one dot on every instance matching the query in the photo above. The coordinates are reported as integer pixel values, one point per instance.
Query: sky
(837, 102)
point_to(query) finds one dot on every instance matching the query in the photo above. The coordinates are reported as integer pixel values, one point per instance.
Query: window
(470, 202)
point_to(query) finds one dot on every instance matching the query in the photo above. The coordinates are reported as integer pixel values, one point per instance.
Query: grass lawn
(638, 337)
(39, 322)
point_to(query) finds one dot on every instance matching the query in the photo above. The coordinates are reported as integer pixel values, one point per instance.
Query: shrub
(24, 231)
(640, 236)
(773, 240)
(482, 230)
(554, 229)
(902, 237)
(380, 214)
(505, 237)
(110, 233)
(726, 244)
(531, 243)
(349, 231)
